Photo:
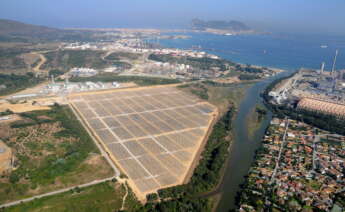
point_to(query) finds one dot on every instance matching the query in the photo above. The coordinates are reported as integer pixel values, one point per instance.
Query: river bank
(243, 147)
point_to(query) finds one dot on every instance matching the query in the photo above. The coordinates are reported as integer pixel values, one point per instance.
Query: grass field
(220, 95)
(103, 197)
(52, 151)
(254, 119)
(139, 80)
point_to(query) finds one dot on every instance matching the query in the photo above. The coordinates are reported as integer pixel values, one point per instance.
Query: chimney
(322, 67)
(334, 61)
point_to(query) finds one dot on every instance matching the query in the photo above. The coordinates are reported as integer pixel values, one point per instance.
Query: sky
(307, 16)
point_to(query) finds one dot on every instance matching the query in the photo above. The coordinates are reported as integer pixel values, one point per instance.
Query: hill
(17, 31)
(15, 28)
(223, 26)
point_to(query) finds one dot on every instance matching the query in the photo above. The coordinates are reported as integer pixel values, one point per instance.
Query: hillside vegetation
(66, 59)
(15, 31)
(52, 150)
(13, 83)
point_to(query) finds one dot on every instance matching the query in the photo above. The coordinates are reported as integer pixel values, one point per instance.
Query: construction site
(153, 134)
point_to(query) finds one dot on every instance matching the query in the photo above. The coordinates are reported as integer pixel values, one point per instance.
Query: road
(37, 68)
(280, 151)
(315, 140)
(54, 192)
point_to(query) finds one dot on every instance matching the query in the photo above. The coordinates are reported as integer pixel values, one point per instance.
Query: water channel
(243, 148)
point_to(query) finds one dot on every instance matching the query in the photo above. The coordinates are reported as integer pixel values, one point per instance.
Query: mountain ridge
(224, 26)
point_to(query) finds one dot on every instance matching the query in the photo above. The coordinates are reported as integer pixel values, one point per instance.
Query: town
(298, 167)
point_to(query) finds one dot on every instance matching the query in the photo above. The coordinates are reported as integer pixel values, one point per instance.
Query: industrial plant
(316, 90)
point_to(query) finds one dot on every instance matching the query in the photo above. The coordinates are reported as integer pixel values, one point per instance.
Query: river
(243, 148)
(287, 52)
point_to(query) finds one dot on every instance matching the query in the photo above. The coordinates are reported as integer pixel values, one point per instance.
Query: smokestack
(322, 67)
(53, 81)
(334, 61)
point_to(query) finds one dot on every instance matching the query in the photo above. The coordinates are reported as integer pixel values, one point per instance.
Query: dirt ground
(228, 80)
(20, 108)
(5, 157)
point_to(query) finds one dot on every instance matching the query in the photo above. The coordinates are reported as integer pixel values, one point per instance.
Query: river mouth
(243, 147)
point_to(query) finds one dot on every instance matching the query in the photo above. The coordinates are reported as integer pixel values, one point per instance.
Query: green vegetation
(139, 80)
(123, 56)
(67, 59)
(206, 175)
(261, 111)
(103, 197)
(14, 83)
(120, 65)
(249, 69)
(219, 94)
(51, 149)
(203, 63)
(14, 31)
(152, 197)
(245, 72)
(55, 72)
(255, 118)
(180, 204)
(198, 89)
(5, 113)
(10, 58)
(248, 77)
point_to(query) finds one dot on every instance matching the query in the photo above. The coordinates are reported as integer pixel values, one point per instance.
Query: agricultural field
(152, 133)
(51, 151)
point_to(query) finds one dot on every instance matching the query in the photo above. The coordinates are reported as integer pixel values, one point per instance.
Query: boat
(323, 46)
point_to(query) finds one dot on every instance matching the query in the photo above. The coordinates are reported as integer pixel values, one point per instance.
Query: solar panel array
(153, 133)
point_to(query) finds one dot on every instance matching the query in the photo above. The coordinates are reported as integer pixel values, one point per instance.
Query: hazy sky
(280, 15)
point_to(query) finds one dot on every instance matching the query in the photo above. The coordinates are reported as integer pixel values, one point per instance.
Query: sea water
(283, 51)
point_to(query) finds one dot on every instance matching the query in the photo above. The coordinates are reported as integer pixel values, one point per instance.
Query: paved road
(54, 192)
(280, 151)
(316, 140)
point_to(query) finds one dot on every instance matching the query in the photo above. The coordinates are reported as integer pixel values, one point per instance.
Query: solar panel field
(152, 133)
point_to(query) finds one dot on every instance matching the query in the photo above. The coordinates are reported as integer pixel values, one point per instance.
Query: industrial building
(316, 105)
(317, 90)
